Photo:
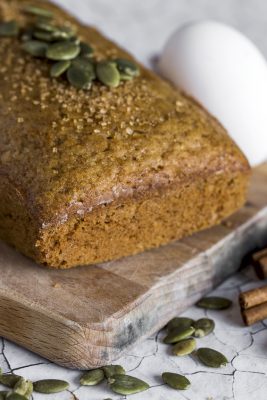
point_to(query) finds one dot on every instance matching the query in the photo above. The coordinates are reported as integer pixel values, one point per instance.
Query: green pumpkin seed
(62, 51)
(84, 64)
(214, 303)
(211, 358)
(127, 67)
(24, 388)
(108, 73)
(80, 78)
(63, 33)
(184, 347)
(203, 327)
(86, 50)
(27, 35)
(177, 334)
(180, 322)
(9, 380)
(125, 385)
(59, 68)
(111, 370)
(45, 26)
(38, 11)
(8, 29)
(49, 386)
(44, 36)
(35, 48)
(15, 396)
(176, 381)
(92, 378)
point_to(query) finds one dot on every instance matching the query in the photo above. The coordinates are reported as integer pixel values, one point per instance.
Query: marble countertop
(143, 27)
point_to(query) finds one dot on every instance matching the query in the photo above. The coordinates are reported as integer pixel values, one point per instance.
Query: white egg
(226, 73)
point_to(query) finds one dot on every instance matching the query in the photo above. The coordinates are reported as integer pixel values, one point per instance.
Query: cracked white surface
(244, 378)
(143, 27)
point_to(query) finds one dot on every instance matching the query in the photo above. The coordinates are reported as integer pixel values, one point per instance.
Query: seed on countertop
(80, 78)
(184, 347)
(203, 327)
(59, 68)
(111, 370)
(211, 358)
(15, 396)
(62, 51)
(49, 386)
(176, 381)
(86, 50)
(214, 303)
(38, 11)
(92, 378)
(177, 334)
(35, 48)
(24, 387)
(108, 73)
(180, 322)
(126, 384)
(9, 380)
(9, 29)
(127, 67)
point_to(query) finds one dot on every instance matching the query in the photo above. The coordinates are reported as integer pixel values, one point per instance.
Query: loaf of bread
(88, 176)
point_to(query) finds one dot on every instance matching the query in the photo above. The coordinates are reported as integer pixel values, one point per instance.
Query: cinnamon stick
(259, 261)
(254, 314)
(253, 297)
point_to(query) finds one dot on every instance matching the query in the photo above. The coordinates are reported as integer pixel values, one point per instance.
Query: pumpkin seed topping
(176, 381)
(203, 327)
(59, 68)
(108, 73)
(8, 29)
(45, 36)
(211, 358)
(80, 78)
(177, 334)
(126, 384)
(111, 370)
(214, 303)
(35, 48)
(92, 378)
(180, 322)
(184, 347)
(49, 386)
(62, 51)
(127, 67)
(38, 11)
(86, 50)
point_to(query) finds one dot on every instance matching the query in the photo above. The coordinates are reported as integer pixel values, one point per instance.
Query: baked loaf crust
(90, 176)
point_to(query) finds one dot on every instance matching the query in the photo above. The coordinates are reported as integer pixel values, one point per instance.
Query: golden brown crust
(70, 153)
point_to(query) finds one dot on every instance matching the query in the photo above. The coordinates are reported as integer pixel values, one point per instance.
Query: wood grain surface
(88, 316)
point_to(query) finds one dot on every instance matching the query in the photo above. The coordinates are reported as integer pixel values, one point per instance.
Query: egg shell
(227, 74)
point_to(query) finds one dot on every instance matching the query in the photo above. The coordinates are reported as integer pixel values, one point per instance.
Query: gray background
(144, 26)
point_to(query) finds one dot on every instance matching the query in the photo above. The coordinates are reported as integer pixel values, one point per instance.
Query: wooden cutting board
(87, 317)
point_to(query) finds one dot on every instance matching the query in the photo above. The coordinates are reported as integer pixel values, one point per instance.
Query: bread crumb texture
(89, 176)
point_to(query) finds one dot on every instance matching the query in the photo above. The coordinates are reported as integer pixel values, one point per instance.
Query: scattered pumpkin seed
(15, 396)
(211, 358)
(38, 11)
(79, 78)
(63, 33)
(214, 303)
(62, 51)
(45, 26)
(24, 387)
(126, 384)
(59, 68)
(49, 386)
(127, 67)
(35, 48)
(177, 334)
(85, 64)
(45, 36)
(203, 327)
(108, 73)
(176, 381)
(178, 322)
(184, 347)
(92, 378)
(9, 380)
(8, 29)
(86, 50)
(111, 370)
